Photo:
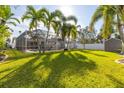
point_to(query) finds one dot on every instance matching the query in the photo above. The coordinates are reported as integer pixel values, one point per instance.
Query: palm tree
(91, 36)
(112, 15)
(71, 33)
(107, 13)
(57, 27)
(35, 16)
(69, 30)
(5, 10)
(120, 22)
(50, 21)
(7, 17)
(4, 34)
(81, 38)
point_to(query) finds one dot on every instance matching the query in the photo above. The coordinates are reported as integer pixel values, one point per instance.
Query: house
(29, 40)
(26, 42)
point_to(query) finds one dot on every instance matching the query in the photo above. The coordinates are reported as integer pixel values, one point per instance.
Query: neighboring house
(26, 42)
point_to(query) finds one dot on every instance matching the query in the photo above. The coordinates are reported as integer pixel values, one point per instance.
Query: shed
(113, 44)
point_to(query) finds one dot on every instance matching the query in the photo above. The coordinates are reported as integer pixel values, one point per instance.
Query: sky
(82, 12)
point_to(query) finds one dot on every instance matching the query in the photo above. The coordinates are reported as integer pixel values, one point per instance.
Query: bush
(65, 49)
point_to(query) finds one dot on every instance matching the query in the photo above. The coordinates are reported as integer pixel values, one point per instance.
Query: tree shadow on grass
(70, 64)
(17, 57)
(66, 63)
(22, 76)
(13, 52)
(8, 69)
(118, 83)
(91, 52)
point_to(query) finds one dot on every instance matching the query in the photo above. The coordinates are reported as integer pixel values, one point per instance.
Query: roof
(38, 33)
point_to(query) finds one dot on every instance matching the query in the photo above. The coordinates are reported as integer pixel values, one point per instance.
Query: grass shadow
(90, 52)
(62, 64)
(66, 63)
(118, 83)
(19, 57)
(22, 76)
(14, 55)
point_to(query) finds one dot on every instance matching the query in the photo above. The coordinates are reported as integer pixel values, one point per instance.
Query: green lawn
(75, 68)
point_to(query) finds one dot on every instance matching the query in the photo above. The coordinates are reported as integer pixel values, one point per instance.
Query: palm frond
(44, 12)
(32, 24)
(31, 10)
(12, 23)
(15, 19)
(96, 16)
(72, 18)
(26, 17)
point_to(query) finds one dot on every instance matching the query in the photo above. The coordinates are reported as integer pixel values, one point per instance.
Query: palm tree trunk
(64, 43)
(122, 40)
(68, 43)
(38, 45)
(120, 30)
(122, 50)
(46, 41)
(83, 42)
(56, 41)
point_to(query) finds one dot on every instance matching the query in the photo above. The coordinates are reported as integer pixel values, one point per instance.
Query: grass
(76, 68)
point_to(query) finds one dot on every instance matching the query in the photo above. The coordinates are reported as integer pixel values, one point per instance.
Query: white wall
(98, 46)
(13, 43)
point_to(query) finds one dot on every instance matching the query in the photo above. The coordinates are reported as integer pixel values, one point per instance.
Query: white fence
(99, 46)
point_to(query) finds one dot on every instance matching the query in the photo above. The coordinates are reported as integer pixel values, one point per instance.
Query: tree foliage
(6, 18)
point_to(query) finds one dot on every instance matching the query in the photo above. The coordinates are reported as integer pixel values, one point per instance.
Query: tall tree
(57, 28)
(71, 33)
(35, 16)
(107, 14)
(50, 22)
(6, 18)
(81, 35)
(112, 15)
(69, 30)
(119, 10)
(4, 34)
